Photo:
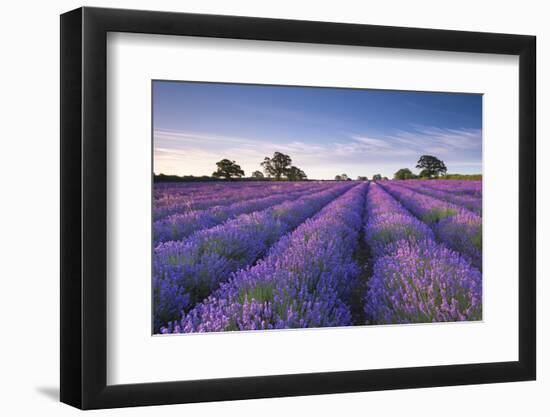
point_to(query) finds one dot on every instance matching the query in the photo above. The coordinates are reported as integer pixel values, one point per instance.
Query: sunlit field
(256, 255)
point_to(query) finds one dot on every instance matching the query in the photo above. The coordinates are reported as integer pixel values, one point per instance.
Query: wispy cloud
(357, 154)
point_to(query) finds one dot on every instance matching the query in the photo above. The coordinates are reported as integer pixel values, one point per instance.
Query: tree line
(432, 167)
(345, 177)
(278, 167)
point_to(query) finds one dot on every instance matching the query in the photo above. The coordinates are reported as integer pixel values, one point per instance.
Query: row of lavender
(179, 198)
(415, 279)
(180, 225)
(456, 226)
(304, 281)
(457, 187)
(187, 271)
(255, 272)
(471, 202)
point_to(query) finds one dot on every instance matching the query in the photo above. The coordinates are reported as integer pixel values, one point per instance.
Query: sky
(326, 131)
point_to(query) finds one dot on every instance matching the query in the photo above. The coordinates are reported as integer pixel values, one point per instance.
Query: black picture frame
(84, 207)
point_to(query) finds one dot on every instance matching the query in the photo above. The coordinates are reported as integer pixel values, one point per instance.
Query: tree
(404, 174)
(431, 166)
(361, 178)
(295, 174)
(384, 178)
(228, 169)
(344, 177)
(338, 178)
(377, 177)
(258, 175)
(276, 166)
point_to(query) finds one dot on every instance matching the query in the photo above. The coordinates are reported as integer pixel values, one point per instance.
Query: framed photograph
(257, 208)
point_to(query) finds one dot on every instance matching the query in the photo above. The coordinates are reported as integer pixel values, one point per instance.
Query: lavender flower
(422, 282)
(304, 281)
(459, 228)
(275, 255)
(197, 265)
(415, 279)
(468, 201)
(180, 198)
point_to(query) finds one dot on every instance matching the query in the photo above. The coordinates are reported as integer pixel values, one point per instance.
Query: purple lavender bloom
(181, 225)
(458, 228)
(468, 201)
(252, 256)
(389, 222)
(463, 233)
(414, 278)
(197, 265)
(304, 281)
(455, 187)
(170, 199)
(422, 282)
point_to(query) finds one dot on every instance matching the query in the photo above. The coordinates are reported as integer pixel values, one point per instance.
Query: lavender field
(254, 255)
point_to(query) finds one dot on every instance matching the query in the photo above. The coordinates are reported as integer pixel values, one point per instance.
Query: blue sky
(326, 131)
